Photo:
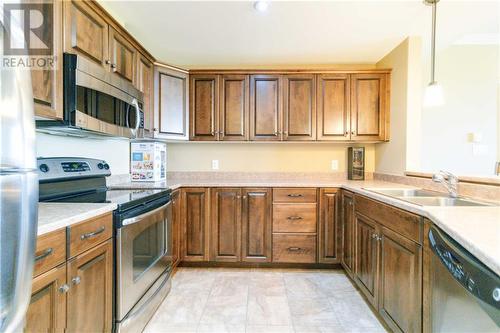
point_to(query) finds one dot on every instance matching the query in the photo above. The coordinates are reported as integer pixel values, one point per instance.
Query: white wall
(115, 152)
(469, 77)
(402, 150)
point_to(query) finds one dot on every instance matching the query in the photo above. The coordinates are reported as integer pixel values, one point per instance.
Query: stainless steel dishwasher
(465, 293)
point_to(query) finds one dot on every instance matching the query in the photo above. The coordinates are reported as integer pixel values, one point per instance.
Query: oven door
(144, 252)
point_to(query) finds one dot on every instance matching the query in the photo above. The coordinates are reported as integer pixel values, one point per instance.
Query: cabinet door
(144, 82)
(176, 226)
(299, 108)
(195, 219)
(203, 102)
(330, 237)
(256, 225)
(365, 271)
(348, 232)
(368, 106)
(333, 94)
(47, 83)
(226, 224)
(90, 296)
(171, 104)
(123, 56)
(47, 308)
(400, 297)
(85, 32)
(265, 108)
(234, 106)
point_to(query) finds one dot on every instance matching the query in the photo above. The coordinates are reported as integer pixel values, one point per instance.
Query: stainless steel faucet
(449, 180)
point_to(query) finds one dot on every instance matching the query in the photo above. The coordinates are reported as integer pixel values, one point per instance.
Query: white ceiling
(197, 34)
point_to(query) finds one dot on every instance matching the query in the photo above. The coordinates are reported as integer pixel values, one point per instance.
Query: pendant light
(434, 92)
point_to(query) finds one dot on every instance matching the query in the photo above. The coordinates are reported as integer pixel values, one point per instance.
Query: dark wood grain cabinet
(266, 107)
(204, 103)
(144, 83)
(233, 108)
(225, 224)
(256, 224)
(333, 103)
(348, 231)
(176, 227)
(195, 224)
(330, 231)
(299, 107)
(388, 262)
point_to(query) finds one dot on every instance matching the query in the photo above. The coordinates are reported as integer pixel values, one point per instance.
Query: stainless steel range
(142, 230)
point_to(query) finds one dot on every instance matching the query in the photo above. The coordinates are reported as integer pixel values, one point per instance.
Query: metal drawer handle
(294, 249)
(293, 218)
(93, 233)
(64, 288)
(45, 254)
(295, 195)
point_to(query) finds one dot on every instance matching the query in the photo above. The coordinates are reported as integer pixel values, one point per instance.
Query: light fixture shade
(433, 95)
(261, 6)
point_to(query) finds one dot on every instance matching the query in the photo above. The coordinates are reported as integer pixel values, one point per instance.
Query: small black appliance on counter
(356, 163)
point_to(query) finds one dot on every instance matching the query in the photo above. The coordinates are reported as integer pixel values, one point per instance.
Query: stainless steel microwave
(96, 102)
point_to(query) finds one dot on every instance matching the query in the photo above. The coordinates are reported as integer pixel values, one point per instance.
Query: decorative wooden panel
(204, 101)
(195, 219)
(256, 225)
(234, 107)
(330, 236)
(333, 94)
(265, 107)
(348, 229)
(144, 82)
(299, 115)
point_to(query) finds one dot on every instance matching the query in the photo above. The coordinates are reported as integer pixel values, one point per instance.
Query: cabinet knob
(107, 62)
(244, 197)
(374, 236)
(113, 66)
(346, 133)
(353, 133)
(64, 288)
(76, 280)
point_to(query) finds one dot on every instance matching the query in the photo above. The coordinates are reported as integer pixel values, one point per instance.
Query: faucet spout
(449, 180)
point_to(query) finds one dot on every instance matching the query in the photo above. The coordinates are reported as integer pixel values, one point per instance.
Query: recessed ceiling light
(261, 6)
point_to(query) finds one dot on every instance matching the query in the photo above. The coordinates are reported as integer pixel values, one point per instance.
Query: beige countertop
(477, 229)
(53, 216)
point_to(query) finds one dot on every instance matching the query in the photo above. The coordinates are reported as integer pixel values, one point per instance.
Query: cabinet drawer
(50, 251)
(294, 248)
(294, 195)
(405, 223)
(88, 234)
(294, 217)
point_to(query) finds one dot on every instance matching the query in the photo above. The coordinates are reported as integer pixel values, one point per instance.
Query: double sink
(426, 198)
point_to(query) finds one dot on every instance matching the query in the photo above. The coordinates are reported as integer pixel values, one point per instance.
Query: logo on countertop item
(27, 36)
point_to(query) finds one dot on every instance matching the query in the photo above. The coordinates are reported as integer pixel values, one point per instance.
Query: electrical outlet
(215, 164)
(335, 165)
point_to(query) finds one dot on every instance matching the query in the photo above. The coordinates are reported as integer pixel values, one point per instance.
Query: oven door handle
(135, 103)
(141, 217)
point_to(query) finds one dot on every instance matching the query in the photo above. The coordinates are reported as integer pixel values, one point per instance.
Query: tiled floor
(264, 301)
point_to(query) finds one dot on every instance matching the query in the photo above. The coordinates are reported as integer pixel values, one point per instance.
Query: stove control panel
(54, 168)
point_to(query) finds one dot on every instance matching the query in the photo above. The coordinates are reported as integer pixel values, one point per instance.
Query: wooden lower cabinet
(330, 237)
(176, 227)
(195, 224)
(400, 296)
(225, 224)
(47, 309)
(348, 232)
(256, 225)
(90, 276)
(365, 271)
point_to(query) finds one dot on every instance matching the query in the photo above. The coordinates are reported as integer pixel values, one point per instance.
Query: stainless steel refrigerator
(18, 192)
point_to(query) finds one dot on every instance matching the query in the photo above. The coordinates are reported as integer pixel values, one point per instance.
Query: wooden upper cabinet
(171, 104)
(144, 83)
(85, 32)
(256, 223)
(47, 83)
(299, 107)
(225, 224)
(369, 107)
(366, 264)
(333, 97)
(47, 308)
(329, 227)
(400, 297)
(123, 55)
(194, 220)
(265, 107)
(90, 276)
(234, 106)
(204, 101)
